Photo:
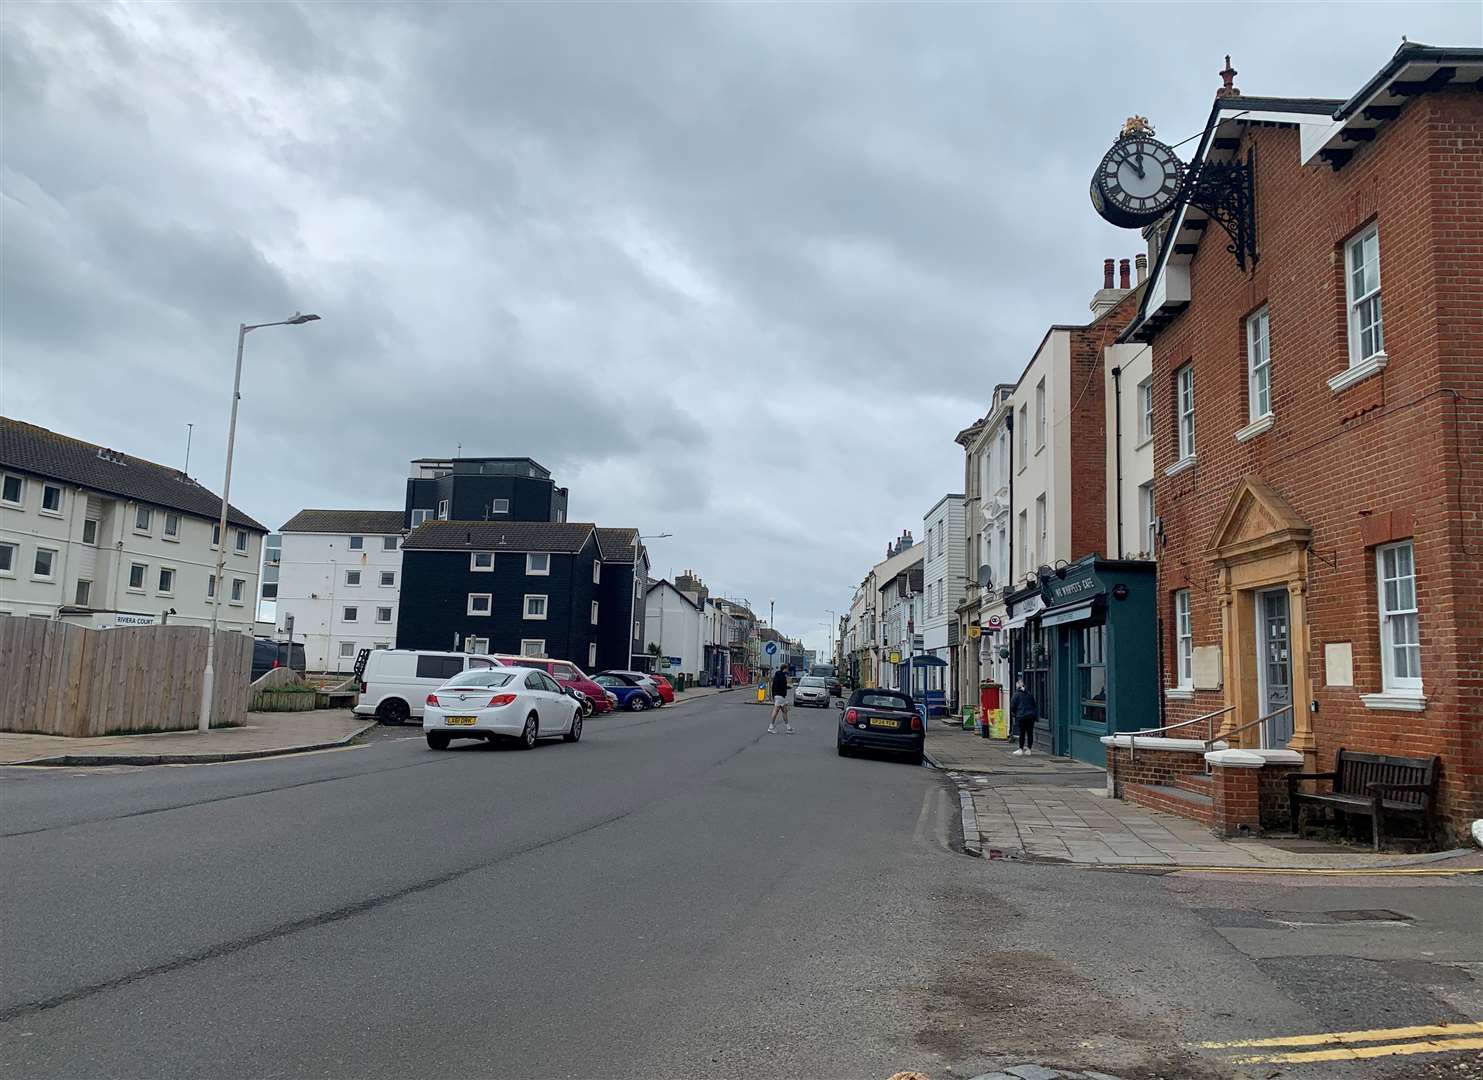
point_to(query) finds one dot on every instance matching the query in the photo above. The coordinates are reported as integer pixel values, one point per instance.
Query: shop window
(1092, 673)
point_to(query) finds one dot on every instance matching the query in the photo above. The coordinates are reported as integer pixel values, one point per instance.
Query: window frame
(540, 647)
(15, 558)
(389, 543)
(426, 514)
(355, 542)
(591, 654)
(390, 614)
(352, 584)
(1390, 682)
(350, 613)
(1145, 410)
(495, 506)
(241, 542)
(143, 569)
(475, 556)
(238, 595)
(51, 573)
(545, 600)
(1184, 413)
(19, 502)
(469, 607)
(1259, 331)
(1042, 527)
(476, 646)
(384, 584)
(597, 571)
(594, 613)
(94, 523)
(160, 587)
(147, 514)
(1040, 415)
(1024, 423)
(1353, 303)
(216, 534)
(166, 532)
(1184, 641)
(443, 505)
(61, 497)
(83, 597)
(529, 555)
(211, 587)
(1148, 514)
(347, 655)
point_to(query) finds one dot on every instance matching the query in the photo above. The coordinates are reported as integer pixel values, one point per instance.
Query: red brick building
(1318, 460)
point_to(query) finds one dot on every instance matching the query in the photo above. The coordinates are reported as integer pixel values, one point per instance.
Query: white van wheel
(393, 711)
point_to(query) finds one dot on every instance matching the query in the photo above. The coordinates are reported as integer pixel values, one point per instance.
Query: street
(678, 895)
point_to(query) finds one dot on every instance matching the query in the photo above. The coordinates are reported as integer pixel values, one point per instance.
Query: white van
(394, 683)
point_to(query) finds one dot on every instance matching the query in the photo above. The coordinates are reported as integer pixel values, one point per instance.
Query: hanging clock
(1139, 180)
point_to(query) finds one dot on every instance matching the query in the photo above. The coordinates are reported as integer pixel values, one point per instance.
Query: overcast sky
(738, 273)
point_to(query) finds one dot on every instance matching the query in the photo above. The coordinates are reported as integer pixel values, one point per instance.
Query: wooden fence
(60, 679)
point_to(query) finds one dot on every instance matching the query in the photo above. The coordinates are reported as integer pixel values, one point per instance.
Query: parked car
(656, 683)
(836, 687)
(632, 694)
(394, 683)
(268, 654)
(881, 720)
(567, 674)
(812, 690)
(501, 703)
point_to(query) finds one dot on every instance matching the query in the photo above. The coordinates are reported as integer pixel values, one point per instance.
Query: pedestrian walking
(779, 702)
(1023, 713)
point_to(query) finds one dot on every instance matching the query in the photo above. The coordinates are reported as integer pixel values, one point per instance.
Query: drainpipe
(1009, 427)
(1117, 442)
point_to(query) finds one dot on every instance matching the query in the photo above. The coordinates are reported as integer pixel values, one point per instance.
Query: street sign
(918, 641)
(771, 648)
(895, 657)
(995, 622)
(974, 630)
(288, 624)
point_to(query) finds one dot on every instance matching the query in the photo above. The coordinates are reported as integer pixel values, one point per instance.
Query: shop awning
(923, 661)
(1075, 613)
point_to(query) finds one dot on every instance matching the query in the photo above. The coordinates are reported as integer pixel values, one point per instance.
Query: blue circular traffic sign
(772, 648)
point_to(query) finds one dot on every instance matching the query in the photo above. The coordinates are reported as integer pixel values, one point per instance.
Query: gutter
(1409, 53)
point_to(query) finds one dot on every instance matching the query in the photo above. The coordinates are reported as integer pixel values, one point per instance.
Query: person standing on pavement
(779, 702)
(1023, 713)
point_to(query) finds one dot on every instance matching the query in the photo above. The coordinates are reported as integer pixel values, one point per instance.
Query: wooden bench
(1374, 785)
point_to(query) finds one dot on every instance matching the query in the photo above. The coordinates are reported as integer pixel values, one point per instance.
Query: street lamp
(662, 653)
(208, 677)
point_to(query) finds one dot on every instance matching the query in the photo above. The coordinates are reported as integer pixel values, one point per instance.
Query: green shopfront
(1100, 643)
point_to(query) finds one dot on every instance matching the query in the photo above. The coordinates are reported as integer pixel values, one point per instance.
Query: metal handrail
(1209, 719)
(1249, 725)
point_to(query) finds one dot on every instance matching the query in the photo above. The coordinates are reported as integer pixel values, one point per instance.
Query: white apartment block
(340, 577)
(101, 538)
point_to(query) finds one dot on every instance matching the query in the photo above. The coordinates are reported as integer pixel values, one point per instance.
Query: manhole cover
(1368, 915)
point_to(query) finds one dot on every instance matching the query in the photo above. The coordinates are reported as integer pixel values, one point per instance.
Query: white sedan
(501, 703)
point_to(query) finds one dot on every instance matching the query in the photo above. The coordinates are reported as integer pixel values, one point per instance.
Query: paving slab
(264, 735)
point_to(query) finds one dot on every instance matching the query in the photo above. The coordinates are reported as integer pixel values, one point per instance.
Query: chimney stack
(1122, 275)
(1228, 76)
(1106, 298)
(1106, 273)
(1141, 262)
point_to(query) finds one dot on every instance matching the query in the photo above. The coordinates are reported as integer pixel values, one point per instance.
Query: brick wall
(1141, 766)
(1395, 456)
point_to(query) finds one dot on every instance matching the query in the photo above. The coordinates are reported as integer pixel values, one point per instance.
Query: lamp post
(662, 653)
(208, 677)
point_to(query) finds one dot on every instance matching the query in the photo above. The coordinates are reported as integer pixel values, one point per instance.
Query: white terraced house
(101, 538)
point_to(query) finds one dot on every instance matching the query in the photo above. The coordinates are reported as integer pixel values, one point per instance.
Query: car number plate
(460, 721)
(882, 722)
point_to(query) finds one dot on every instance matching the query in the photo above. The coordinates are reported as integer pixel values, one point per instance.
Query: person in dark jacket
(1023, 713)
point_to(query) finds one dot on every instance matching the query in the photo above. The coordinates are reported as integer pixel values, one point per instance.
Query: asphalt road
(678, 895)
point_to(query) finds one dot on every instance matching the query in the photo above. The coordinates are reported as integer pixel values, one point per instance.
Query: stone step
(1172, 800)
(1200, 783)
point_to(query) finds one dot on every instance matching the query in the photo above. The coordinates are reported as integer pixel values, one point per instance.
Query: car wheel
(437, 740)
(528, 734)
(576, 732)
(844, 751)
(636, 703)
(393, 711)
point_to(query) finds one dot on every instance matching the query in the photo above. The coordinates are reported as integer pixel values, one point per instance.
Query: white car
(812, 690)
(501, 703)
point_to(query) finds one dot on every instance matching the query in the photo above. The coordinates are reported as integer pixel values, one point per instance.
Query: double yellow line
(1348, 1045)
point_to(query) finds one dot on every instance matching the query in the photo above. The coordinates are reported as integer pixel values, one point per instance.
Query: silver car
(812, 690)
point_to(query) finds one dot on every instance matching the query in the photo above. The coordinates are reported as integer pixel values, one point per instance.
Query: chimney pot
(1141, 262)
(1122, 275)
(1106, 273)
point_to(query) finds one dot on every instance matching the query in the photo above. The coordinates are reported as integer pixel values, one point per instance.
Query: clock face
(1137, 182)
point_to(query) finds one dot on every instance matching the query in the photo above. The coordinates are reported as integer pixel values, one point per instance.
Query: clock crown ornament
(1136, 125)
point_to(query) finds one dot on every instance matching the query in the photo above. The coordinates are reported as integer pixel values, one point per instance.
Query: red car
(566, 674)
(666, 688)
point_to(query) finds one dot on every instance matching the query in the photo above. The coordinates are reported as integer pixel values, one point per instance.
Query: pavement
(679, 894)
(1055, 809)
(264, 735)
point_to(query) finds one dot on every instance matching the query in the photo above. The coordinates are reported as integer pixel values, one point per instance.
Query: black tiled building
(482, 489)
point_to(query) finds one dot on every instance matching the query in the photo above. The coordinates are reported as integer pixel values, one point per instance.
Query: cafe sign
(1079, 584)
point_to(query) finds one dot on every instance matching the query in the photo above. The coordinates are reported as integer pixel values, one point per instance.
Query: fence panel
(60, 679)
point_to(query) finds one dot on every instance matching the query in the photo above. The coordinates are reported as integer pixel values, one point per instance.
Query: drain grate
(1368, 915)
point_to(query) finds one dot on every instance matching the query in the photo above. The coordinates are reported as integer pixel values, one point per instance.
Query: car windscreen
(882, 701)
(481, 677)
(811, 681)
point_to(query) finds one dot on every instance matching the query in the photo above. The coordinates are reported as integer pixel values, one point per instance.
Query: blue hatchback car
(630, 694)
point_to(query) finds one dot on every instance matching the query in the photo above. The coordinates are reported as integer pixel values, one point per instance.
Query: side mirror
(839, 704)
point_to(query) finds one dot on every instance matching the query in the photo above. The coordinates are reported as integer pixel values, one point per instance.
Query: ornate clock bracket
(1225, 191)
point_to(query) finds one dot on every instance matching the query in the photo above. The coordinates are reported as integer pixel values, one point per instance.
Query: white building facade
(944, 575)
(673, 622)
(339, 579)
(105, 539)
(1130, 451)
